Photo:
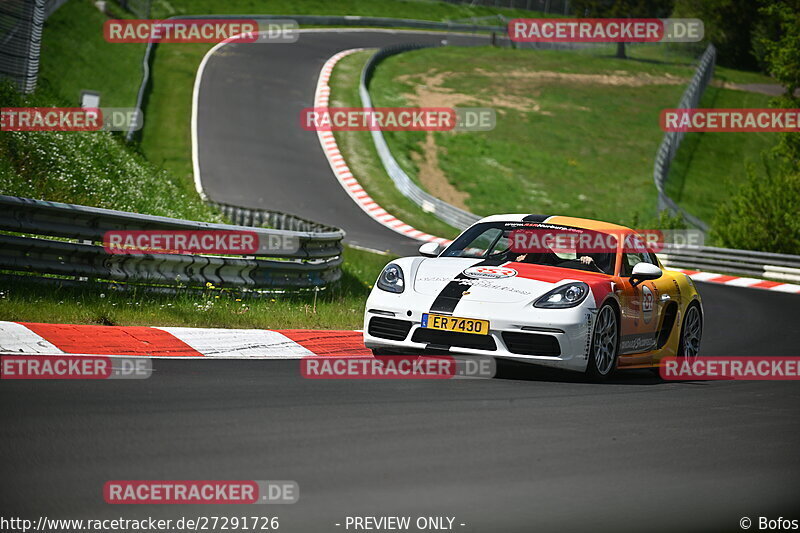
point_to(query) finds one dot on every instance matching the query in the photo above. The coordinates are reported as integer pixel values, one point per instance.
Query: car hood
(505, 283)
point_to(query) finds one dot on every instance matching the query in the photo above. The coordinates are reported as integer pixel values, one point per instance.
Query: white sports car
(584, 309)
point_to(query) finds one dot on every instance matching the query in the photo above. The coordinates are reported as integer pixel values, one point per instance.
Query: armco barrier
(458, 218)
(315, 263)
(672, 140)
(779, 267)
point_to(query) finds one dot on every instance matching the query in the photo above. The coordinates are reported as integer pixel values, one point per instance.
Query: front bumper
(556, 338)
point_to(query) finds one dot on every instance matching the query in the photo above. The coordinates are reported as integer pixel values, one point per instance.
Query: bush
(88, 168)
(764, 214)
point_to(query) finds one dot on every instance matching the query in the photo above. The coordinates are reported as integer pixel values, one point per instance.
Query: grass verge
(362, 158)
(408, 9)
(89, 168)
(710, 166)
(76, 57)
(166, 138)
(576, 131)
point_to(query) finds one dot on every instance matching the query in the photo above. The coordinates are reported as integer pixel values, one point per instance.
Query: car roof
(584, 223)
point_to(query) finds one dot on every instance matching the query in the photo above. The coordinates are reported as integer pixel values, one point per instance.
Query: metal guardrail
(456, 217)
(21, 24)
(259, 218)
(779, 267)
(672, 140)
(461, 219)
(315, 262)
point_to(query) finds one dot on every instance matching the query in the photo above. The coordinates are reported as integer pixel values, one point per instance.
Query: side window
(633, 259)
(630, 261)
(636, 252)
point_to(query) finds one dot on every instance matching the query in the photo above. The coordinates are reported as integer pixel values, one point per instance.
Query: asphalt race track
(532, 450)
(252, 150)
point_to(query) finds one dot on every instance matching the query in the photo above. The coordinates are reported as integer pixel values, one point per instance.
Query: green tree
(729, 24)
(777, 44)
(762, 215)
(622, 9)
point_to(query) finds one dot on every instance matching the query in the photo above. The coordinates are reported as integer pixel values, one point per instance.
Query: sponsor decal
(637, 343)
(447, 299)
(482, 283)
(590, 315)
(648, 302)
(489, 272)
(677, 291)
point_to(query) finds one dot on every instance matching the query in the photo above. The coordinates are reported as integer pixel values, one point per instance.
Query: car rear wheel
(605, 344)
(691, 333)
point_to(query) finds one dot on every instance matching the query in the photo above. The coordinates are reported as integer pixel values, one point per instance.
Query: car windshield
(538, 243)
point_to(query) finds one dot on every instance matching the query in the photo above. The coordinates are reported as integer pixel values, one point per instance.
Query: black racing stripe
(536, 218)
(447, 300)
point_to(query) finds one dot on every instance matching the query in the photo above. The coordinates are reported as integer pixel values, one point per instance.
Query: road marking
(736, 281)
(177, 342)
(16, 338)
(342, 172)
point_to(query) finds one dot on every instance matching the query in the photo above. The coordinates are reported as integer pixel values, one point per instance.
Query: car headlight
(568, 295)
(391, 279)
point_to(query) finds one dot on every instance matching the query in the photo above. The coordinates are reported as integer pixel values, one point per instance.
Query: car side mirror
(643, 272)
(430, 249)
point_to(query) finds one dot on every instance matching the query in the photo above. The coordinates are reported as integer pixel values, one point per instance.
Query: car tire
(604, 349)
(691, 332)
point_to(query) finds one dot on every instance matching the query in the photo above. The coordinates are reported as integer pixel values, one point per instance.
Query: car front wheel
(605, 344)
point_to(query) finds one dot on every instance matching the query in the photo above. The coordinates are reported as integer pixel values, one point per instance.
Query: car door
(641, 311)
